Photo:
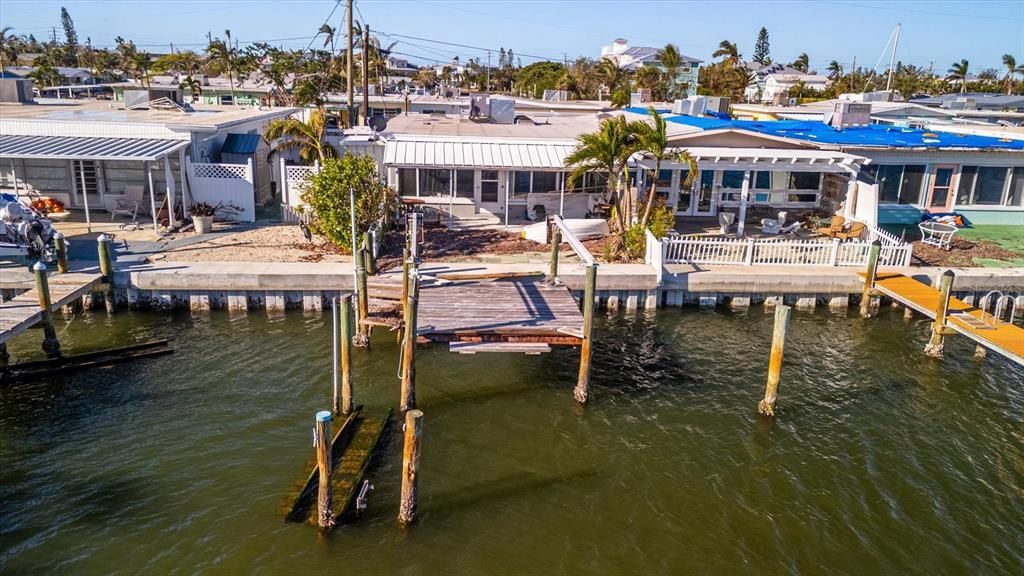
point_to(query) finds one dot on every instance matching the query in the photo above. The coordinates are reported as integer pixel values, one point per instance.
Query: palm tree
(328, 32)
(958, 73)
(426, 77)
(307, 137)
(1011, 68)
(141, 64)
(193, 86)
(728, 52)
(6, 46)
(605, 150)
(835, 70)
(652, 141)
(672, 60)
(610, 75)
(221, 57)
(802, 62)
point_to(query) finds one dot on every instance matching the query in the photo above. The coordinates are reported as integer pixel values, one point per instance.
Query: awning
(769, 159)
(457, 154)
(86, 148)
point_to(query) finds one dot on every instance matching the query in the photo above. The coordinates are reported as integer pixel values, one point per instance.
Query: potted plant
(202, 216)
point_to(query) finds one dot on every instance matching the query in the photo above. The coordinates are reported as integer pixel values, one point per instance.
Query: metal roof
(772, 159)
(83, 148)
(459, 154)
(241, 144)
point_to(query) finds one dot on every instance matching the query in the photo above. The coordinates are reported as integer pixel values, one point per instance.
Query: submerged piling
(322, 443)
(408, 400)
(407, 508)
(581, 392)
(935, 345)
(766, 406)
(869, 279)
(51, 346)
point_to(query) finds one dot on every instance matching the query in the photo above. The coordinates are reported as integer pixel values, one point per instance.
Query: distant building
(253, 91)
(69, 76)
(974, 101)
(635, 57)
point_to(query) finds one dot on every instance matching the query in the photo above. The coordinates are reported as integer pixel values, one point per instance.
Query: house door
(90, 185)
(940, 189)
(490, 191)
(704, 195)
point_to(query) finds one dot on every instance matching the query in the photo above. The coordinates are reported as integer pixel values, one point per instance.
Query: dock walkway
(968, 320)
(22, 312)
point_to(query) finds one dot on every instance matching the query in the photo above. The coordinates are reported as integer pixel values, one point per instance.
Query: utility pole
(350, 69)
(172, 48)
(488, 71)
(366, 74)
(892, 63)
(53, 34)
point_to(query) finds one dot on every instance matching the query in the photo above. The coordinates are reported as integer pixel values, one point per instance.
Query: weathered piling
(935, 345)
(556, 240)
(581, 392)
(62, 253)
(771, 391)
(869, 279)
(410, 467)
(362, 337)
(5, 357)
(980, 352)
(405, 276)
(322, 443)
(336, 345)
(51, 346)
(346, 355)
(370, 261)
(408, 400)
(103, 249)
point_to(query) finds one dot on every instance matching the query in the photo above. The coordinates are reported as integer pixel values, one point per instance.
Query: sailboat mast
(892, 63)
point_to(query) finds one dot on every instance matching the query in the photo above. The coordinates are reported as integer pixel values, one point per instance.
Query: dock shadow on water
(880, 460)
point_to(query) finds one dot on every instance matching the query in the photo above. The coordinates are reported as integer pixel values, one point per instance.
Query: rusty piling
(322, 443)
(869, 279)
(935, 345)
(408, 400)
(410, 467)
(581, 392)
(766, 406)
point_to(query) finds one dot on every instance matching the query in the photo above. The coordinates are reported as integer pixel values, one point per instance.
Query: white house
(635, 57)
(775, 84)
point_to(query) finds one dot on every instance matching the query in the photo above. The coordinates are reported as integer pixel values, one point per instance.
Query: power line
(468, 46)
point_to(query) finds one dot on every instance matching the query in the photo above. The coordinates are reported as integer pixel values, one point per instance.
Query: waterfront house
(85, 153)
(636, 57)
(213, 91)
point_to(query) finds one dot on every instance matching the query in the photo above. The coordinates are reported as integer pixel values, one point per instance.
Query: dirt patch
(280, 243)
(963, 253)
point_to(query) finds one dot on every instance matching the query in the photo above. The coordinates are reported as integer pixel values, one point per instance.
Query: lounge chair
(130, 204)
(834, 228)
(855, 232)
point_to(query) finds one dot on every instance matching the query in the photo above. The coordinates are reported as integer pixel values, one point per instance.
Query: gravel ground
(276, 243)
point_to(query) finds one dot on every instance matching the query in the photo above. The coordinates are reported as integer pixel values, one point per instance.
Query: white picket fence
(777, 252)
(224, 184)
(294, 179)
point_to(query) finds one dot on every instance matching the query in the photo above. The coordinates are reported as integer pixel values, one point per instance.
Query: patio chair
(855, 232)
(130, 204)
(834, 228)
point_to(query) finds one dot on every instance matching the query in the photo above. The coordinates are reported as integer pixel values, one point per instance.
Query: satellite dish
(378, 122)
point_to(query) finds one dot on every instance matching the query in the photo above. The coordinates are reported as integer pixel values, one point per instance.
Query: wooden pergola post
(581, 392)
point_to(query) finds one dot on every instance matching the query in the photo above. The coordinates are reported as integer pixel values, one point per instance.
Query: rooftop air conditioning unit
(719, 104)
(846, 114)
(479, 106)
(640, 97)
(17, 91)
(503, 111)
(556, 95)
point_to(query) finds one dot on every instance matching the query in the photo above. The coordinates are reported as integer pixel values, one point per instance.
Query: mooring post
(410, 467)
(935, 343)
(322, 443)
(346, 355)
(556, 241)
(980, 352)
(362, 338)
(5, 357)
(581, 392)
(51, 346)
(408, 400)
(869, 279)
(106, 269)
(62, 253)
(336, 345)
(405, 277)
(771, 390)
(371, 262)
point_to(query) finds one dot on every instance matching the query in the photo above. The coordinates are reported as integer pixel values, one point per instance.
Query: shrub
(662, 220)
(327, 197)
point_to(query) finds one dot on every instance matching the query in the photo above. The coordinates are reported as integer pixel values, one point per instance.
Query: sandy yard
(277, 243)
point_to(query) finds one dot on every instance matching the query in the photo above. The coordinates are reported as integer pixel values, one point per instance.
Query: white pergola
(148, 150)
(750, 160)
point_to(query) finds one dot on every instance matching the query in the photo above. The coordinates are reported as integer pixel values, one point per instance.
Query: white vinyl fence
(224, 184)
(780, 252)
(295, 180)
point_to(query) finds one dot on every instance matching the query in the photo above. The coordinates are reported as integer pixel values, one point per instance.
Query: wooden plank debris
(523, 348)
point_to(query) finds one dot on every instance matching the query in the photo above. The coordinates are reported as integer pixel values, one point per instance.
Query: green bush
(634, 241)
(327, 197)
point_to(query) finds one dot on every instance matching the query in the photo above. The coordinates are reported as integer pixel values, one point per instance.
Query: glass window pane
(464, 183)
(966, 185)
(913, 180)
(763, 180)
(596, 181)
(435, 182)
(1016, 195)
(989, 189)
(520, 184)
(888, 179)
(488, 174)
(732, 179)
(407, 181)
(804, 180)
(544, 182)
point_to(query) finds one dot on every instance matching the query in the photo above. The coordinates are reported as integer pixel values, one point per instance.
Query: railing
(567, 236)
(654, 255)
(294, 180)
(776, 252)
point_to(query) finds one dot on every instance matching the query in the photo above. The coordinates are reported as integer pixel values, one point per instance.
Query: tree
(762, 52)
(426, 77)
(670, 58)
(611, 76)
(652, 141)
(1011, 68)
(221, 57)
(606, 150)
(958, 73)
(8, 46)
(835, 70)
(327, 197)
(651, 79)
(307, 137)
(44, 73)
(728, 52)
(802, 62)
(71, 43)
(192, 86)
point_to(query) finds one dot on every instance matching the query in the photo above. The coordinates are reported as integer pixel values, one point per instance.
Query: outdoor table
(937, 234)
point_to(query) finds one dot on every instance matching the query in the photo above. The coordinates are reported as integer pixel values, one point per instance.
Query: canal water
(880, 460)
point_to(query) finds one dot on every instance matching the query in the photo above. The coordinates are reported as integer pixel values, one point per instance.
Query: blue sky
(934, 32)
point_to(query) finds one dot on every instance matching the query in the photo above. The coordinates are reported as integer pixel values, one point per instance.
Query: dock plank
(21, 312)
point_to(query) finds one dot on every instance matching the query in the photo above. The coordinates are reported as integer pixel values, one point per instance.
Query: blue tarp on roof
(873, 135)
(240, 144)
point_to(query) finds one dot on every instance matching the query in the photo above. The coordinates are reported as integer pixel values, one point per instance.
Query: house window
(990, 184)
(544, 182)
(435, 182)
(967, 176)
(763, 180)
(732, 179)
(804, 180)
(913, 180)
(520, 184)
(888, 178)
(595, 182)
(407, 181)
(1016, 195)
(226, 100)
(464, 183)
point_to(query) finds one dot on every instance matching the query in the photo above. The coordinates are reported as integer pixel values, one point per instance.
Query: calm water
(881, 461)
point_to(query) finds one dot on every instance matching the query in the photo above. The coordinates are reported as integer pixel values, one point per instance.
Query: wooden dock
(515, 312)
(22, 312)
(1002, 337)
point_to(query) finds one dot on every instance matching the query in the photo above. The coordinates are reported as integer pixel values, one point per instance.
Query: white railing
(224, 184)
(654, 255)
(294, 180)
(777, 252)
